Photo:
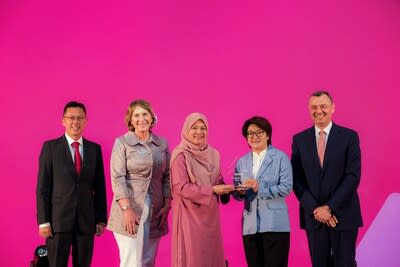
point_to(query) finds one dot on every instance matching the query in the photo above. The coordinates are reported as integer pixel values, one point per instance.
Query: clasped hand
(323, 214)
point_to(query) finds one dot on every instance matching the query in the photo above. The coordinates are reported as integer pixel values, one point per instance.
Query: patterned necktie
(321, 147)
(78, 159)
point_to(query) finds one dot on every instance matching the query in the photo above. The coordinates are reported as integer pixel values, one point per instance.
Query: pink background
(227, 59)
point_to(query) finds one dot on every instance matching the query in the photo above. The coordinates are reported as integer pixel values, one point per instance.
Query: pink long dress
(196, 229)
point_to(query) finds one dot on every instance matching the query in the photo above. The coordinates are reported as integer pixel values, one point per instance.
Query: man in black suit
(326, 162)
(70, 193)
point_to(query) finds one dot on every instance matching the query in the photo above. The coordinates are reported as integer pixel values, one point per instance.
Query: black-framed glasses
(73, 118)
(257, 133)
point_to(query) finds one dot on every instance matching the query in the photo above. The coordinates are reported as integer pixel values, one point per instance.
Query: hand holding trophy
(237, 182)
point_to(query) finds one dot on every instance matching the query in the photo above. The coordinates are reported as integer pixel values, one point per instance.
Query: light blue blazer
(266, 210)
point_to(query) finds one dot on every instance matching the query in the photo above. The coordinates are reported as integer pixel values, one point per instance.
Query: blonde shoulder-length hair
(144, 104)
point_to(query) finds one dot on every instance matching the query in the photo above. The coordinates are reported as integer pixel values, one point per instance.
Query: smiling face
(321, 109)
(257, 138)
(198, 133)
(141, 120)
(74, 121)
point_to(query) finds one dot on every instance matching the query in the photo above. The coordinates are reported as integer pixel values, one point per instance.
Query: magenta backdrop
(227, 59)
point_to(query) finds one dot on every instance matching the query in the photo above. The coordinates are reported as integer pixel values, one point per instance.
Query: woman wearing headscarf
(196, 183)
(140, 183)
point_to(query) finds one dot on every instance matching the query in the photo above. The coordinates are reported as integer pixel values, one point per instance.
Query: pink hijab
(203, 162)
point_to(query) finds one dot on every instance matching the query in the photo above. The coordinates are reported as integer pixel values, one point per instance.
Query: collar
(133, 140)
(327, 129)
(70, 140)
(261, 155)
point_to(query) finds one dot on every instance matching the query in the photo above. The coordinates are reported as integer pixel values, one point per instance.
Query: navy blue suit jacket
(334, 184)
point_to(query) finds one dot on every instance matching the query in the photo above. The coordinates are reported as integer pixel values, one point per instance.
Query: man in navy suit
(70, 194)
(326, 163)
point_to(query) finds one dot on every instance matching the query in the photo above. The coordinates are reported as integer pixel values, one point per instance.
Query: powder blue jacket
(266, 210)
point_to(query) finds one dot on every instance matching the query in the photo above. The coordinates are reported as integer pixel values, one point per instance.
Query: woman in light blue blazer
(263, 178)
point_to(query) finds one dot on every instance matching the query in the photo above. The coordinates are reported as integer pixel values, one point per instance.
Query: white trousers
(141, 250)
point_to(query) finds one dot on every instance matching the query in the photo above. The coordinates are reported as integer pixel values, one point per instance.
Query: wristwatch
(125, 207)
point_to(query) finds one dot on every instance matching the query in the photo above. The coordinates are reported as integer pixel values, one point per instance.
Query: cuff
(43, 225)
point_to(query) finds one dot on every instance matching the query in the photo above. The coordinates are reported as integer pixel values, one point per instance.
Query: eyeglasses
(253, 134)
(73, 118)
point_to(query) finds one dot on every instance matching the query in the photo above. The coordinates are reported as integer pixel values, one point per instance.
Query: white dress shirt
(72, 149)
(257, 161)
(327, 129)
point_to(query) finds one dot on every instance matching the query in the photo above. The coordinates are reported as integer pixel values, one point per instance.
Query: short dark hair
(262, 123)
(322, 92)
(74, 104)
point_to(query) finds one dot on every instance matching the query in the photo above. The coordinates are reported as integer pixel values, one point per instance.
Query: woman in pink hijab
(196, 183)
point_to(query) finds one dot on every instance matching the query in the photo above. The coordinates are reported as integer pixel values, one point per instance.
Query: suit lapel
(248, 165)
(68, 157)
(312, 147)
(88, 154)
(330, 145)
(264, 165)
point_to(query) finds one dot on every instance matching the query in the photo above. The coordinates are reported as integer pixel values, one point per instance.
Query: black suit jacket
(63, 197)
(335, 184)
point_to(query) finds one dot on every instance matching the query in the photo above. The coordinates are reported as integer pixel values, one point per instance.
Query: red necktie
(321, 146)
(78, 159)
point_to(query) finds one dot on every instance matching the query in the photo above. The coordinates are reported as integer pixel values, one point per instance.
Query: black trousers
(331, 248)
(269, 249)
(59, 247)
